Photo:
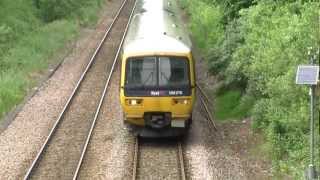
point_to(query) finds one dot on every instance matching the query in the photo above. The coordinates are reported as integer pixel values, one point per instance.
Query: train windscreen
(157, 76)
(141, 72)
(173, 72)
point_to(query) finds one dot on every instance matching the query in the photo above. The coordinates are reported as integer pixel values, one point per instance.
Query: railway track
(165, 160)
(62, 153)
(158, 160)
(205, 104)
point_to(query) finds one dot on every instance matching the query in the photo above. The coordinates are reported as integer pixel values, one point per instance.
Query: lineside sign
(307, 74)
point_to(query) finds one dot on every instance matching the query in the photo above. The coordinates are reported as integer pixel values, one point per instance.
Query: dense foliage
(31, 31)
(257, 45)
(50, 10)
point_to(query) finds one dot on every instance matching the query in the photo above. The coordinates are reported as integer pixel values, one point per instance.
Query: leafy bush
(51, 10)
(230, 105)
(231, 8)
(276, 41)
(258, 47)
(203, 23)
(17, 18)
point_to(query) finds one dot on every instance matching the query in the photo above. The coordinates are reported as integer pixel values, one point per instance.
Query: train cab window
(155, 72)
(141, 72)
(173, 72)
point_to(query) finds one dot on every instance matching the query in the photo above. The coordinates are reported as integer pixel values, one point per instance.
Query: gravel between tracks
(158, 160)
(61, 157)
(24, 136)
(109, 153)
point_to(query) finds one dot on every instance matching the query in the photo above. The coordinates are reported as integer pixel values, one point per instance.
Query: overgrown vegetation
(231, 106)
(31, 31)
(256, 46)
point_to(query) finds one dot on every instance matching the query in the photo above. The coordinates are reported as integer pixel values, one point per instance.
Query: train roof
(156, 28)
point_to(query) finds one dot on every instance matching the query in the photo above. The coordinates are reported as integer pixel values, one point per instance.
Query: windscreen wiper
(149, 76)
(164, 75)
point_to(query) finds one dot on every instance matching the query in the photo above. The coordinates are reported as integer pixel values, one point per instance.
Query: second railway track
(158, 160)
(61, 155)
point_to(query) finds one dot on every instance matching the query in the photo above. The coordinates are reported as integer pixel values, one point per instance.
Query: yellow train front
(157, 71)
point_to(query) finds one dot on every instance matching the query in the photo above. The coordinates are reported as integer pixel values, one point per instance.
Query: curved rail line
(75, 90)
(136, 158)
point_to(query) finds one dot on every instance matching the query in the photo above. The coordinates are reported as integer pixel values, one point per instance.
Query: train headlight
(133, 102)
(181, 101)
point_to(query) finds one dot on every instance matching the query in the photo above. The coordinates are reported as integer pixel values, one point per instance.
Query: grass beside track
(28, 44)
(28, 57)
(230, 105)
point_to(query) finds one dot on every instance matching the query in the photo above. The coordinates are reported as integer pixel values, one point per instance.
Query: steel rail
(209, 115)
(204, 100)
(135, 159)
(181, 161)
(84, 150)
(202, 93)
(74, 92)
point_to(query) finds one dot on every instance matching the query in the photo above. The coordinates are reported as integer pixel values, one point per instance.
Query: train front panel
(158, 91)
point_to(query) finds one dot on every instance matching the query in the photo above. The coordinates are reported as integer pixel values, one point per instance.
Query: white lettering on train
(175, 93)
(155, 93)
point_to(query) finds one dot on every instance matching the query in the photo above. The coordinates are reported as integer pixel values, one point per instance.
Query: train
(157, 83)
